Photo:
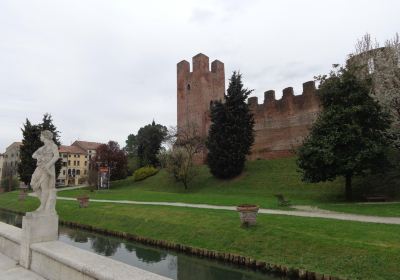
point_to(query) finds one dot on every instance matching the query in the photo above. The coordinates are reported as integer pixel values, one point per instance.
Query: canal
(174, 265)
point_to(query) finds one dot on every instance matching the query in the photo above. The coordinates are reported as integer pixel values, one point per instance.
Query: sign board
(104, 178)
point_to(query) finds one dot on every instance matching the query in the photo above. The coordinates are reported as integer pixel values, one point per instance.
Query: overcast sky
(103, 69)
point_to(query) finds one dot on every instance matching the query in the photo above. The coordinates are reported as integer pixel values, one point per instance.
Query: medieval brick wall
(280, 125)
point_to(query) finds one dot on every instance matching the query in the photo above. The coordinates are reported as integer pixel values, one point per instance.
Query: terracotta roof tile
(87, 145)
(71, 150)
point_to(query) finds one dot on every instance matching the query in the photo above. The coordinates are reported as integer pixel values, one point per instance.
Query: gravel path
(306, 211)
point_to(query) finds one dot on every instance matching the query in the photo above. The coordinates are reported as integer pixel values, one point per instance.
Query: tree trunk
(349, 192)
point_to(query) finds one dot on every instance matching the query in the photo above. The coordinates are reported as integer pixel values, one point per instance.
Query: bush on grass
(144, 172)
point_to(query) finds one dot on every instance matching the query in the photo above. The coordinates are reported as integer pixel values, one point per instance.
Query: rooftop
(86, 145)
(71, 150)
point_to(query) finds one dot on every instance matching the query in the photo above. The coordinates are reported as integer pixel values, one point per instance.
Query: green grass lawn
(386, 210)
(347, 249)
(257, 185)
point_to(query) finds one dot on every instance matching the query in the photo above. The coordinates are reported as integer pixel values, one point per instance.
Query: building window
(69, 156)
(85, 172)
(69, 171)
(78, 172)
(63, 172)
(371, 65)
(78, 162)
(69, 162)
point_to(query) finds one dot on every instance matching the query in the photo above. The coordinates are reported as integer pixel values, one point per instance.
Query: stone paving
(10, 270)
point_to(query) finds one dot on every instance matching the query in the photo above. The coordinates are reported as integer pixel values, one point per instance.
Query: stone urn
(248, 214)
(83, 201)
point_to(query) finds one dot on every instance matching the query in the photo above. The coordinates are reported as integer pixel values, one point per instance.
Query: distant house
(11, 159)
(89, 147)
(75, 164)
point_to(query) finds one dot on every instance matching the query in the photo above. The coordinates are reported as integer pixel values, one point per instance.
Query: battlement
(289, 103)
(279, 125)
(201, 65)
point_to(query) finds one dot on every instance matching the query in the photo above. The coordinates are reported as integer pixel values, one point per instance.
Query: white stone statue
(43, 180)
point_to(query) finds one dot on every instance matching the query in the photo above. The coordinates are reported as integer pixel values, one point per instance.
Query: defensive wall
(280, 125)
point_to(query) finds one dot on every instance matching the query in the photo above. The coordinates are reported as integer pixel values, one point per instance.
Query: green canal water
(163, 262)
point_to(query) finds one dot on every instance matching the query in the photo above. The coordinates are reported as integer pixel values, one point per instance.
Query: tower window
(188, 87)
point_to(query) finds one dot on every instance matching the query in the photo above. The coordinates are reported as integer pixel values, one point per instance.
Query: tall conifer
(231, 133)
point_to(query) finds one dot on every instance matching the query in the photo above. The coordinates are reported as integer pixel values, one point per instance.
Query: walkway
(299, 213)
(10, 270)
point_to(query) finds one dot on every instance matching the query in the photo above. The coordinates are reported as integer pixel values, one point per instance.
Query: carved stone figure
(44, 178)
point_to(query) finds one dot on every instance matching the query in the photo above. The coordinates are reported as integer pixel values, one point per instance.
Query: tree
(348, 138)
(231, 134)
(131, 145)
(31, 142)
(185, 143)
(382, 66)
(148, 143)
(112, 156)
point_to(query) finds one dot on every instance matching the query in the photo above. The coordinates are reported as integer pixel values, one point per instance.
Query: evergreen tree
(231, 133)
(30, 143)
(148, 143)
(348, 137)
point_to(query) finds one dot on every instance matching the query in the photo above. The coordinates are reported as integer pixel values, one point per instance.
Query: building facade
(74, 166)
(76, 162)
(11, 160)
(280, 125)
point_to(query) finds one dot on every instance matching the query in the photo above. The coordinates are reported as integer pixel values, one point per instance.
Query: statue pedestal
(36, 227)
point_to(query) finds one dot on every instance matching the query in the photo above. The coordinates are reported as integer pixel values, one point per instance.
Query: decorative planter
(83, 201)
(248, 214)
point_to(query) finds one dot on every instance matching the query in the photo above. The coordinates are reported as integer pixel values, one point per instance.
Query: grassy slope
(259, 182)
(347, 249)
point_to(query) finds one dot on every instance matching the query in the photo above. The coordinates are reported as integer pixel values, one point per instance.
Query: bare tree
(185, 143)
(384, 65)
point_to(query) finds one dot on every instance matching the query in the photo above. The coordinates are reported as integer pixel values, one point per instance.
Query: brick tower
(197, 89)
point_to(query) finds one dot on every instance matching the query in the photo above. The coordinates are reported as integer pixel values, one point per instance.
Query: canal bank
(177, 262)
(168, 263)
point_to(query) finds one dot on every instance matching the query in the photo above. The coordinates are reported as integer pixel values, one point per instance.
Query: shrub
(144, 172)
(180, 165)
